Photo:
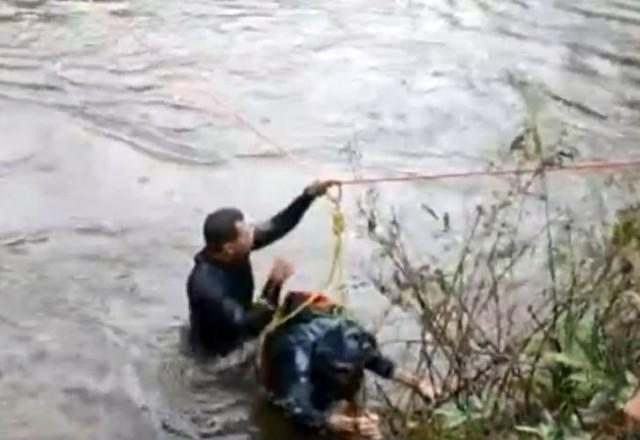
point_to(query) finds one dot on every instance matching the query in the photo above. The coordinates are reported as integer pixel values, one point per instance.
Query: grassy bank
(531, 331)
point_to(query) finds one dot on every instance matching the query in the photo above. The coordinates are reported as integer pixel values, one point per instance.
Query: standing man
(220, 286)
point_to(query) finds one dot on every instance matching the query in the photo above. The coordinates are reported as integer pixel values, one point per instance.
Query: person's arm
(283, 222)
(280, 272)
(381, 365)
(422, 386)
(384, 367)
(257, 320)
(271, 292)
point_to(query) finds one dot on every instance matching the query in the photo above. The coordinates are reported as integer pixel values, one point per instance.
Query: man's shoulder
(204, 267)
(203, 275)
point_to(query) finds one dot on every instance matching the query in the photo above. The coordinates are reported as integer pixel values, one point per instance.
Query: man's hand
(320, 187)
(422, 386)
(366, 426)
(370, 426)
(341, 424)
(281, 271)
(426, 389)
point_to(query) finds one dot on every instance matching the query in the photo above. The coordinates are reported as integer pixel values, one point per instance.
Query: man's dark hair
(220, 227)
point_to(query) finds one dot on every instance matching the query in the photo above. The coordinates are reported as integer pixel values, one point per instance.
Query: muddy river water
(120, 129)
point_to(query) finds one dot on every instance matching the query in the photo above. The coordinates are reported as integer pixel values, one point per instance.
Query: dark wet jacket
(222, 313)
(316, 359)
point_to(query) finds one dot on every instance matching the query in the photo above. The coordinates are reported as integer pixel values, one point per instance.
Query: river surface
(123, 123)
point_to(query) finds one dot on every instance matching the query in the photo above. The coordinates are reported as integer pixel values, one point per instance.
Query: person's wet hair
(220, 227)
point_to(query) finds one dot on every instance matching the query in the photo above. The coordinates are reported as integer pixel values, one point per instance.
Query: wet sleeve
(271, 292)
(376, 362)
(257, 319)
(283, 222)
(380, 365)
(294, 389)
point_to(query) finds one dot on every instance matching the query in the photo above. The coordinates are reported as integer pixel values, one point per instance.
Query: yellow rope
(336, 271)
(336, 274)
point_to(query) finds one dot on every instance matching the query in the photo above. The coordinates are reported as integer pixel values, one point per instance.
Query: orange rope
(408, 176)
(580, 167)
(413, 176)
(247, 124)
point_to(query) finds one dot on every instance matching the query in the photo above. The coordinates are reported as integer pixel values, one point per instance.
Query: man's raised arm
(287, 219)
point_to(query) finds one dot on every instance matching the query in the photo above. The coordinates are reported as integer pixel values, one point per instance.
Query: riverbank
(530, 322)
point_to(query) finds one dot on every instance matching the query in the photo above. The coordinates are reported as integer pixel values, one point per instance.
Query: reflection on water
(118, 131)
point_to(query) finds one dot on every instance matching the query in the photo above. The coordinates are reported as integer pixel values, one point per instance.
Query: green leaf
(453, 416)
(530, 430)
(565, 359)
(580, 377)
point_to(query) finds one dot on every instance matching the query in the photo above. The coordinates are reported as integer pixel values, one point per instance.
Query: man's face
(243, 243)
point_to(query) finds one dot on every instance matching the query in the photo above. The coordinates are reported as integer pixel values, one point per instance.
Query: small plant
(532, 331)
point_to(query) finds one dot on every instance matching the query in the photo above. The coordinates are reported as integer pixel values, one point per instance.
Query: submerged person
(314, 361)
(220, 287)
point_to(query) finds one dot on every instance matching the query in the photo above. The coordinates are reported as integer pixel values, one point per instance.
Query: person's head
(339, 358)
(227, 235)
